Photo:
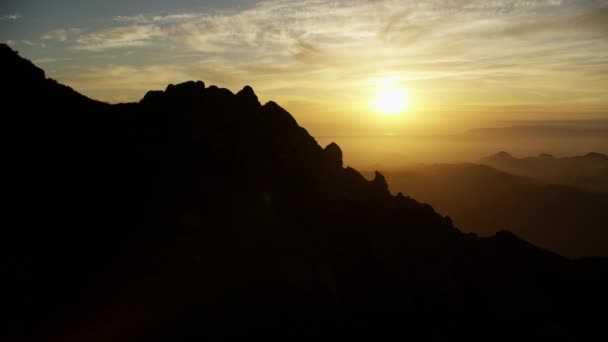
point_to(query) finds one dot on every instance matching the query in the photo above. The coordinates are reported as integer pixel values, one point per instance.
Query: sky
(460, 63)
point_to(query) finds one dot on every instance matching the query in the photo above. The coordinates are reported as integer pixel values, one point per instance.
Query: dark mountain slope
(199, 213)
(483, 200)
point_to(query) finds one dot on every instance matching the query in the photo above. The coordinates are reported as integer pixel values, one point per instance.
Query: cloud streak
(119, 37)
(145, 19)
(12, 16)
(61, 35)
(293, 28)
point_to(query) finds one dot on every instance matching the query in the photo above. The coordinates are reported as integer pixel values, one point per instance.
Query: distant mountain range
(588, 123)
(201, 214)
(564, 139)
(589, 172)
(483, 200)
(539, 131)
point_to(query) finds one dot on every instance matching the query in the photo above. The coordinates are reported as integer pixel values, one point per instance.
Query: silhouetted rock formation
(248, 97)
(380, 183)
(200, 214)
(333, 155)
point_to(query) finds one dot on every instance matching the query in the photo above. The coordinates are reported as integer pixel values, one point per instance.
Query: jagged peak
(248, 96)
(333, 155)
(186, 86)
(247, 91)
(197, 88)
(380, 183)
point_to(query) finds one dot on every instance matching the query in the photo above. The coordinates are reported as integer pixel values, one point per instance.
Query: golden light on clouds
(337, 64)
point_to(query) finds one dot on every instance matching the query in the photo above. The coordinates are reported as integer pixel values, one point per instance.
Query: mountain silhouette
(202, 214)
(595, 155)
(589, 172)
(565, 129)
(500, 156)
(483, 200)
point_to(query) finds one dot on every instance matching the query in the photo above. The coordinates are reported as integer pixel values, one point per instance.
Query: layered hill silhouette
(483, 200)
(199, 213)
(565, 129)
(589, 171)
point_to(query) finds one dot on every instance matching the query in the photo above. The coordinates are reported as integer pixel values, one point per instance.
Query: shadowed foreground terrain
(483, 200)
(199, 213)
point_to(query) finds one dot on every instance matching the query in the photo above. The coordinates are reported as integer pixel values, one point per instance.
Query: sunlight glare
(390, 99)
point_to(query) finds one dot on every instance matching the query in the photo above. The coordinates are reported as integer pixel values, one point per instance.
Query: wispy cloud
(12, 16)
(25, 42)
(119, 37)
(61, 35)
(48, 60)
(146, 19)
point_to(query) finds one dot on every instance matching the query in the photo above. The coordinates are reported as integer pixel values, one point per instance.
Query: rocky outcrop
(380, 184)
(248, 97)
(333, 155)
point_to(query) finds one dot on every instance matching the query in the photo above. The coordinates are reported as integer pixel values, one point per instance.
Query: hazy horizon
(391, 151)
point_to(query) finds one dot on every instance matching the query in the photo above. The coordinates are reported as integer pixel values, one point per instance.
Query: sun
(391, 100)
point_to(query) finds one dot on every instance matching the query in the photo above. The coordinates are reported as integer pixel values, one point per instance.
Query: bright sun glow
(391, 100)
